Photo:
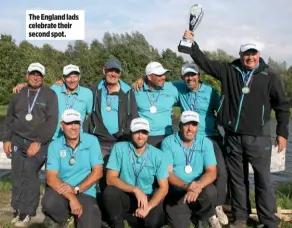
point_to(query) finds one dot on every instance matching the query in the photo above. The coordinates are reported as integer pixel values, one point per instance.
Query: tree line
(133, 50)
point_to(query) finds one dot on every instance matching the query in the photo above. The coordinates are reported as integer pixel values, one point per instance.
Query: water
(285, 176)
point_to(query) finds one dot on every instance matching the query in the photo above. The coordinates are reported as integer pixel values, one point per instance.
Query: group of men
(117, 144)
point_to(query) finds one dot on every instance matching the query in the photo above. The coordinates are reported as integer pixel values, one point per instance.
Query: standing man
(155, 102)
(132, 167)
(29, 126)
(114, 107)
(74, 166)
(250, 89)
(192, 170)
(198, 96)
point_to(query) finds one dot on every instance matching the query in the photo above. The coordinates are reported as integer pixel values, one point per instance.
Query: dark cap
(113, 63)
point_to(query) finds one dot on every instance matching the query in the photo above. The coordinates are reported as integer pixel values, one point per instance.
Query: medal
(245, 90)
(153, 109)
(108, 108)
(188, 169)
(28, 117)
(72, 161)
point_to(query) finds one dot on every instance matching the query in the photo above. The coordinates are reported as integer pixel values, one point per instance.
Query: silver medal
(108, 108)
(245, 90)
(188, 169)
(153, 109)
(28, 117)
(72, 161)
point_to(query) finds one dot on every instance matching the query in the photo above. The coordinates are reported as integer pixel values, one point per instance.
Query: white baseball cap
(155, 68)
(249, 46)
(139, 124)
(189, 67)
(36, 67)
(71, 115)
(189, 116)
(69, 69)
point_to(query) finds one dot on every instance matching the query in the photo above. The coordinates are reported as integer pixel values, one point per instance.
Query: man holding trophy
(250, 89)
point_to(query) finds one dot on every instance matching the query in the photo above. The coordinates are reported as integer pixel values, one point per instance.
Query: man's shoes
(15, 217)
(214, 222)
(23, 221)
(49, 223)
(238, 224)
(222, 217)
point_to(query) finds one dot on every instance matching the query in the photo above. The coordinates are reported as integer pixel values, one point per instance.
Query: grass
(3, 110)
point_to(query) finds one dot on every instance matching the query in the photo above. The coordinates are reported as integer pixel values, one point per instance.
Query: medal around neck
(108, 108)
(245, 90)
(188, 169)
(153, 109)
(196, 15)
(28, 117)
(72, 161)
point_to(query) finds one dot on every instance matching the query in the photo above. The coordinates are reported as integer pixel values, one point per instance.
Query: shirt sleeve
(162, 171)
(89, 104)
(115, 159)
(95, 153)
(209, 154)
(168, 156)
(53, 159)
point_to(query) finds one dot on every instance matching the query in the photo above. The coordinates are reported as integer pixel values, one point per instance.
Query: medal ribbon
(109, 100)
(30, 108)
(248, 78)
(193, 101)
(67, 103)
(153, 103)
(188, 158)
(134, 164)
(73, 152)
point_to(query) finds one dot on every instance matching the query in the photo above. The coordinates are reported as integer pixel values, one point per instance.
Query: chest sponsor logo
(63, 153)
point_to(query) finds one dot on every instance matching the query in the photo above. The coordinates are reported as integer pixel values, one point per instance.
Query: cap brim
(76, 72)
(71, 121)
(35, 71)
(139, 129)
(190, 70)
(188, 121)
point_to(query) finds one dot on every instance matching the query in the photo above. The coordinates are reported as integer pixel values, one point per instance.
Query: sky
(226, 23)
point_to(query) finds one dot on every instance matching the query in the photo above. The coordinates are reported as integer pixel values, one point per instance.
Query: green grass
(3, 110)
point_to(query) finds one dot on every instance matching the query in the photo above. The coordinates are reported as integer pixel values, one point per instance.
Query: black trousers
(256, 150)
(179, 215)
(120, 206)
(25, 176)
(57, 208)
(221, 181)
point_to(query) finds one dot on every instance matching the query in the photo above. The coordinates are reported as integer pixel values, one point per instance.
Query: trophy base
(185, 46)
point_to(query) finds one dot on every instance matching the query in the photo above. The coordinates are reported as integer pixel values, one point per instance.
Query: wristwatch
(76, 190)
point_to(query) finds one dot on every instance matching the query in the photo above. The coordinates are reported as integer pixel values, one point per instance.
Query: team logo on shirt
(63, 153)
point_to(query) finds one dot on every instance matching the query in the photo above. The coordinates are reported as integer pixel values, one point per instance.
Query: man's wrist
(76, 190)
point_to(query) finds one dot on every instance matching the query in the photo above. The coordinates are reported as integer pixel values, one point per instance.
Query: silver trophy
(196, 15)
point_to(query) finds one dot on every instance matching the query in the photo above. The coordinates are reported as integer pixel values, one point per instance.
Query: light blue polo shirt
(203, 156)
(205, 102)
(88, 155)
(155, 165)
(161, 121)
(111, 118)
(81, 101)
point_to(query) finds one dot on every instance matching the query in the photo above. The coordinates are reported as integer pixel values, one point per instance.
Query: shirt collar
(64, 89)
(146, 87)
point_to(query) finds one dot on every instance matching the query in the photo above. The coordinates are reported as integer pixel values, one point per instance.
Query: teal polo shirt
(205, 102)
(203, 156)
(81, 101)
(88, 155)
(111, 118)
(161, 121)
(154, 166)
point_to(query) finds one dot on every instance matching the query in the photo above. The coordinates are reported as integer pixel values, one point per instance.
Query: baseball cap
(155, 68)
(139, 124)
(70, 115)
(36, 67)
(113, 63)
(70, 68)
(249, 46)
(189, 116)
(189, 67)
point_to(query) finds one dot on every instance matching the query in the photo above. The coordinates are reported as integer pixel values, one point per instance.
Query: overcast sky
(226, 23)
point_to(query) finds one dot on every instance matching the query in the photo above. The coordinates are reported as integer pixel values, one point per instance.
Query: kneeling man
(74, 166)
(131, 170)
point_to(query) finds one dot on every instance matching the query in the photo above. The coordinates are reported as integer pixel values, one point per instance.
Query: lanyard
(193, 101)
(30, 108)
(73, 152)
(188, 158)
(153, 103)
(109, 99)
(67, 103)
(248, 78)
(134, 164)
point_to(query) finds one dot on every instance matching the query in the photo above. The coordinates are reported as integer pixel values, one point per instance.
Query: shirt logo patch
(63, 153)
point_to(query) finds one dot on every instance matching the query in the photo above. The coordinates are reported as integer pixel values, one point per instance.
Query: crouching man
(131, 170)
(74, 166)
(192, 170)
